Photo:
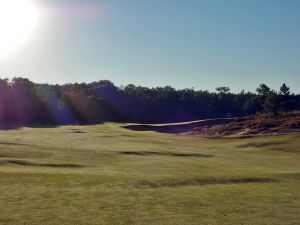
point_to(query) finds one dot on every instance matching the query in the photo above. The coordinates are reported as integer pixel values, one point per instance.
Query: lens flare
(18, 19)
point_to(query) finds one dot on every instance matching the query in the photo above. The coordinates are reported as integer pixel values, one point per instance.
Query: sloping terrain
(262, 124)
(106, 174)
(176, 128)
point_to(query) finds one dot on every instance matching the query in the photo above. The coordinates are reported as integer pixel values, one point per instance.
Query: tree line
(23, 102)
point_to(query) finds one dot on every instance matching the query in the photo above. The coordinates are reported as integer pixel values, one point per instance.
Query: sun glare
(18, 18)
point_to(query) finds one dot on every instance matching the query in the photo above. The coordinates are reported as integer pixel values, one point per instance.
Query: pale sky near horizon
(183, 43)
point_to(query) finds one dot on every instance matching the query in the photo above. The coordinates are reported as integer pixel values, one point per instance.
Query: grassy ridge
(106, 174)
(250, 126)
(176, 128)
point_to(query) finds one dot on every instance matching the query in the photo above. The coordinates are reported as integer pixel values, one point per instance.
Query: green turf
(106, 174)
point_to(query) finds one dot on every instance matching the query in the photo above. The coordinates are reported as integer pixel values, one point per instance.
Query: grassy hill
(106, 174)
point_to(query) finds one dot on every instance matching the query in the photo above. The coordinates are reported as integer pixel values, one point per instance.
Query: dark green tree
(271, 103)
(285, 98)
(263, 90)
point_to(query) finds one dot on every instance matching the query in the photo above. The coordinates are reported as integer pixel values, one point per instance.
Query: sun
(18, 19)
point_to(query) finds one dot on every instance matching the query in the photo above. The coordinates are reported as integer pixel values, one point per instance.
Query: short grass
(106, 174)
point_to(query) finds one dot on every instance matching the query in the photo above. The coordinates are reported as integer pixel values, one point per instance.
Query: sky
(200, 44)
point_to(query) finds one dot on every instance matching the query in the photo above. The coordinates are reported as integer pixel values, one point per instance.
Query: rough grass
(106, 174)
(253, 126)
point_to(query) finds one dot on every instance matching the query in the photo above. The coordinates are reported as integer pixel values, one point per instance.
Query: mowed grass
(106, 174)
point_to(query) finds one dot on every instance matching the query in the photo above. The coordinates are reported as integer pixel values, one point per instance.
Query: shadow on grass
(51, 165)
(294, 176)
(77, 131)
(178, 128)
(171, 154)
(20, 126)
(13, 144)
(261, 145)
(275, 146)
(203, 181)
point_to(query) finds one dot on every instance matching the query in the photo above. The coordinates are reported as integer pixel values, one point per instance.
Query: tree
(23, 102)
(223, 90)
(285, 99)
(224, 104)
(271, 103)
(263, 90)
(262, 93)
(285, 90)
(5, 102)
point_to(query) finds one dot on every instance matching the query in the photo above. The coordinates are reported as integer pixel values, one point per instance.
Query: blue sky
(193, 43)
